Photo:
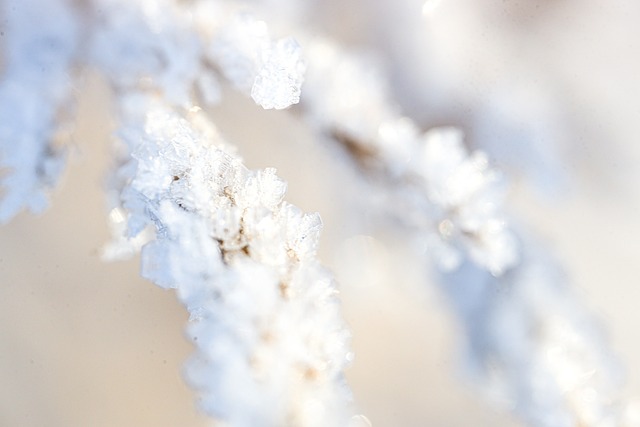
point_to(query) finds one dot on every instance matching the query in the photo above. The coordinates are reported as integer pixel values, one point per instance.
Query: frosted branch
(41, 39)
(264, 314)
(434, 184)
(533, 348)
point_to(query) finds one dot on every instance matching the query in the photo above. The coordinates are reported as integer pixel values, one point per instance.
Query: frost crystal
(271, 71)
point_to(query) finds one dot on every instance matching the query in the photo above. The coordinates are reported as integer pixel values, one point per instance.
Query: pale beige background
(85, 343)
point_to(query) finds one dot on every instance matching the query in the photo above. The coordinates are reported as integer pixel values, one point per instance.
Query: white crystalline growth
(271, 345)
(280, 78)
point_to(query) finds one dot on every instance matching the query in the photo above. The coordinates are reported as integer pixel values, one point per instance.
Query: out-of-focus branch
(41, 41)
(533, 348)
(430, 181)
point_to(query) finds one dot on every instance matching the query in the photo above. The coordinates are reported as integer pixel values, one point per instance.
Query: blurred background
(549, 88)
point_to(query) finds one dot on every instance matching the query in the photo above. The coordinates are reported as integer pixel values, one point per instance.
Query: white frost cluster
(41, 40)
(264, 313)
(271, 71)
(279, 80)
(434, 183)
